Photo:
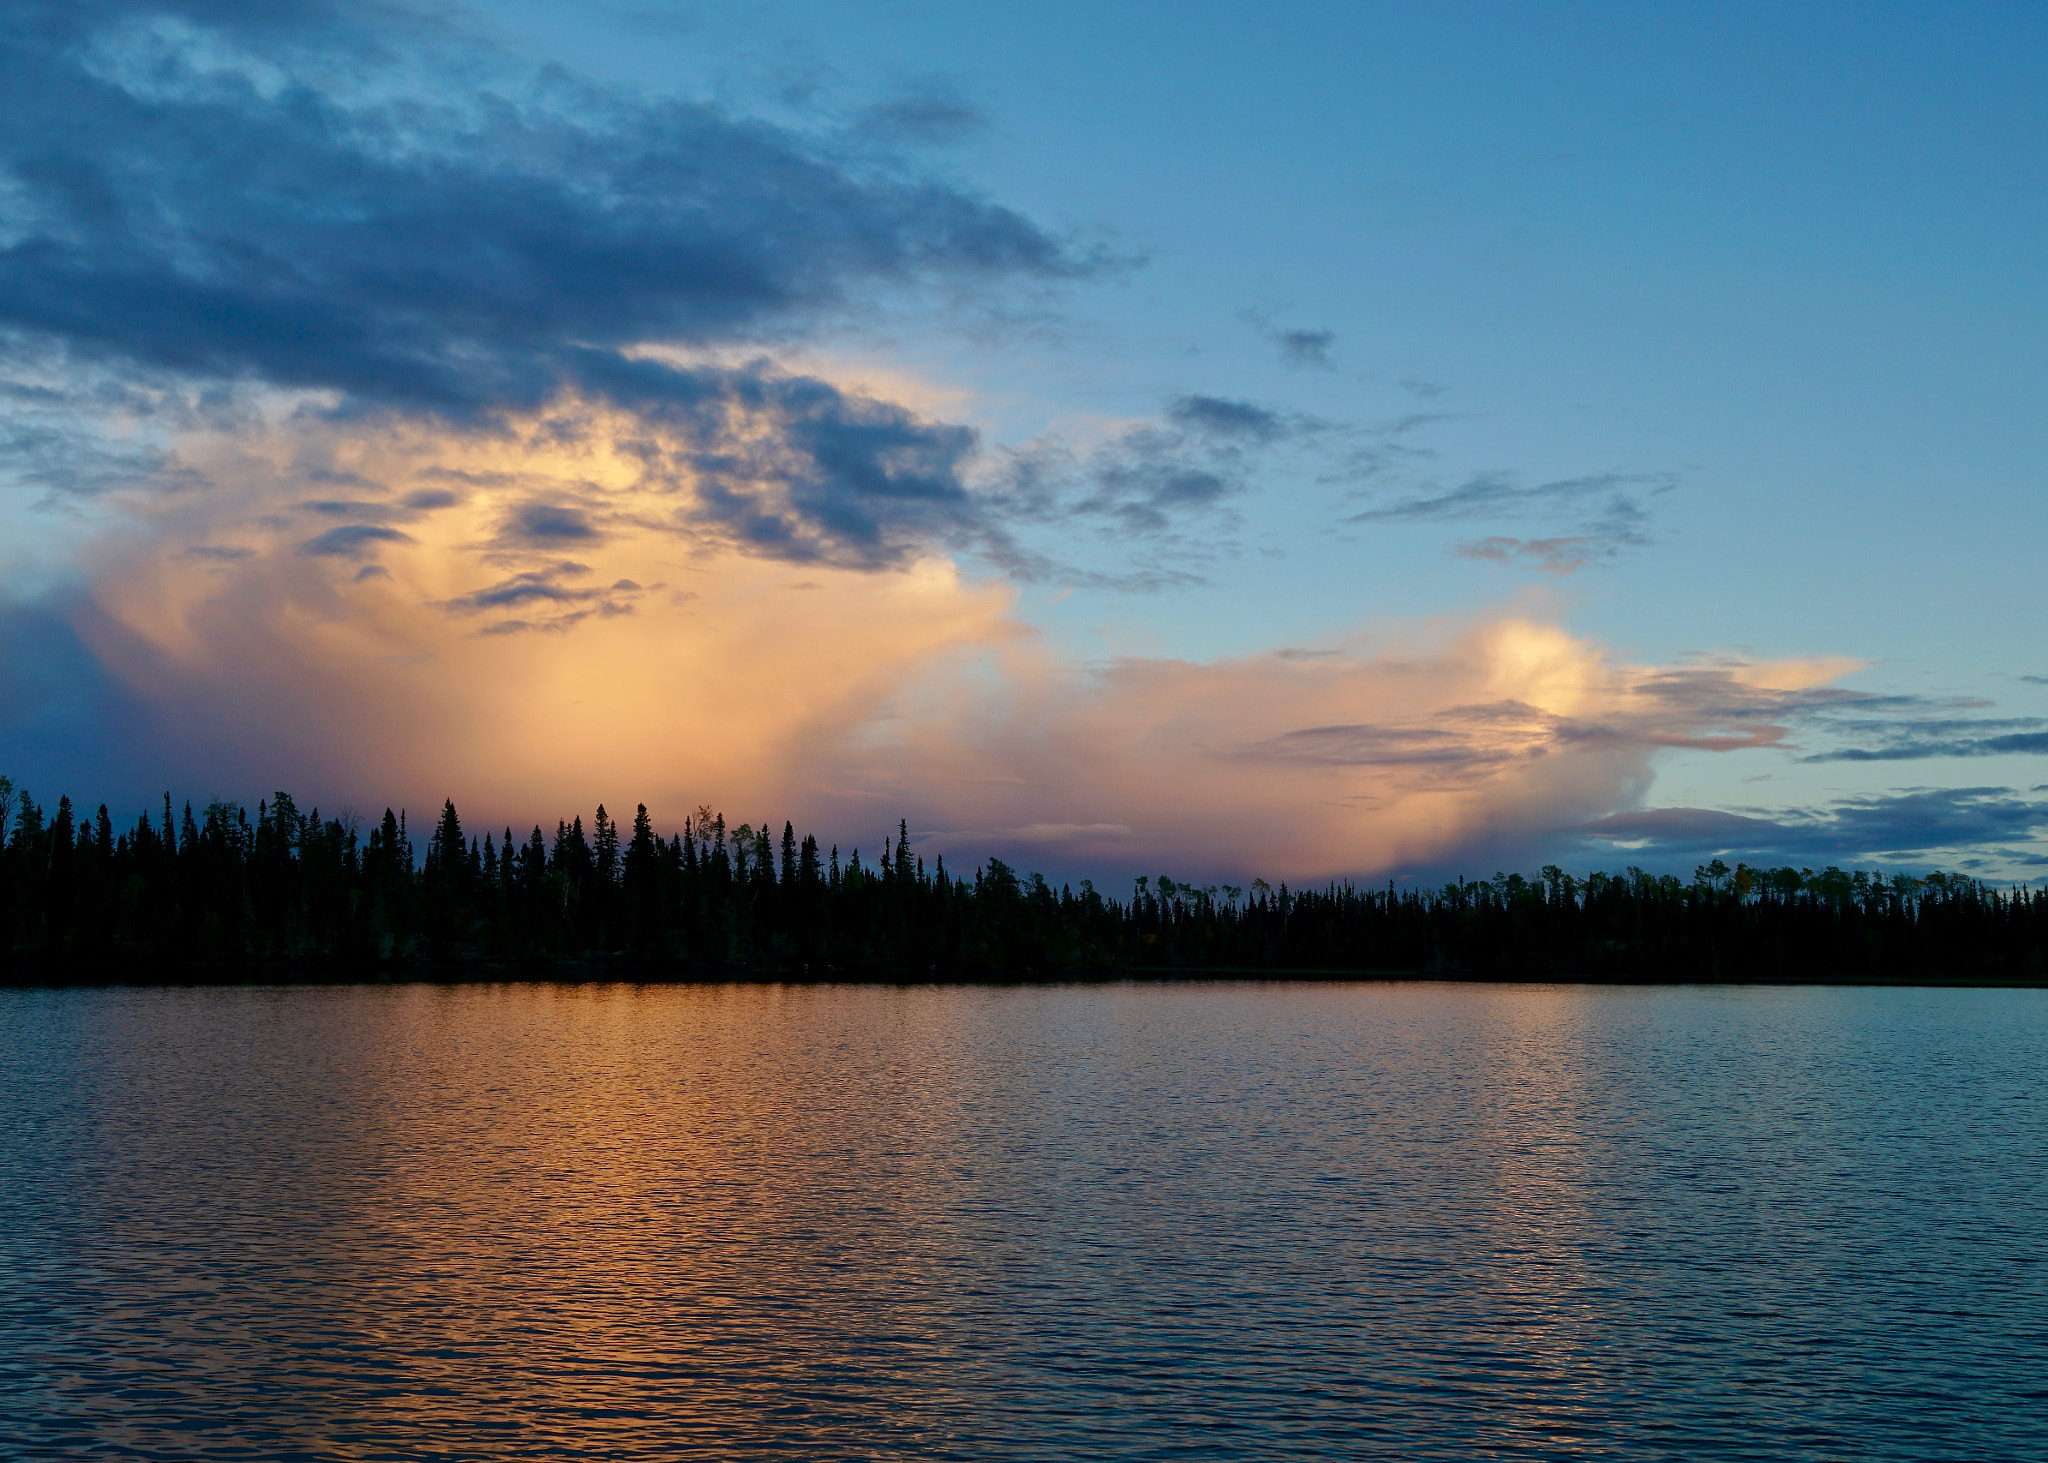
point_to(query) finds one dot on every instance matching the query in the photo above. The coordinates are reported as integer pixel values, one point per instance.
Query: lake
(1171, 1221)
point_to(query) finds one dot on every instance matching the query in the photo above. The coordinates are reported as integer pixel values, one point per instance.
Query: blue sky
(1708, 339)
(1790, 261)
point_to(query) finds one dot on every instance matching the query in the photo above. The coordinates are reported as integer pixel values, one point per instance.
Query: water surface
(1165, 1221)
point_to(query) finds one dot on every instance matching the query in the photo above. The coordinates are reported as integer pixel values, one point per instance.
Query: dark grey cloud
(538, 585)
(1910, 743)
(1226, 418)
(352, 200)
(353, 541)
(1307, 348)
(1689, 830)
(547, 598)
(2035, 680)
(794, 467)
(1149, 482)
(547, 525)
(372, 517)
(448, 256)
(1493, 495)
(1921, 823)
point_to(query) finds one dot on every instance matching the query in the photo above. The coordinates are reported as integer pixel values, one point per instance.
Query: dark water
(1207, 1221)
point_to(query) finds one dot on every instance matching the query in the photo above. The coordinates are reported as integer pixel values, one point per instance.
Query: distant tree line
(220, 888)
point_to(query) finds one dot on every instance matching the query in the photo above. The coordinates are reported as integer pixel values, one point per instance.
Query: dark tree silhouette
(214, 892)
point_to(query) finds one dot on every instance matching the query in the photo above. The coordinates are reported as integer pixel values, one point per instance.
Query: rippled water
(1177, 1221)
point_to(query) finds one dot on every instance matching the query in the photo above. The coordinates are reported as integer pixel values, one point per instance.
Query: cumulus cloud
(653, 661)
(438, 445)
(215, 208)
(211, 209)
(1483, 738)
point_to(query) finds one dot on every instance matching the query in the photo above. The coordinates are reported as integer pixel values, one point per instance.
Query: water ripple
(1142, 1222)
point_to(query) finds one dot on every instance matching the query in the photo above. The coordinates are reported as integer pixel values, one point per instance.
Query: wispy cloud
(1606, 511)
(1924, 823)
(1914, 739)
(353, 541)
(1498, 496)
(934, 114)
(1144, 488)
(1307, 348)
(1223, 417)
(1302, 347)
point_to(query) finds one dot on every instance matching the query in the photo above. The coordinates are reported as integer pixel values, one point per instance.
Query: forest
(219, 894)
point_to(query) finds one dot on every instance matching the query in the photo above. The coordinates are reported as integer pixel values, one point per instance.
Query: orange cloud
(523, 619)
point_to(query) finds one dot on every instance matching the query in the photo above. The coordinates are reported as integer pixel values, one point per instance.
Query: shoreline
(274, 974)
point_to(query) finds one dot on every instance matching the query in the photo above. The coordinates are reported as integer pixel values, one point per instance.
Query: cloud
(1146, 485)
(223, 215)
(1711, 708)
(1458, 738)
(353, 541)
(547, 525)
(541, 584)
(1918, 824)
(1565, 555)
(526, 682)
(292, 288)
(663, 660)
(1225, 418)
(549, 589)
(930, 116)
(1915, 741)
(1497, 496)
(222, 220)
(1481, 742)
(1307, 348)
(218, 197)
(1600, 532)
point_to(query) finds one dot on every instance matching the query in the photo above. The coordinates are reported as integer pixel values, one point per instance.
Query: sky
(1349, 441)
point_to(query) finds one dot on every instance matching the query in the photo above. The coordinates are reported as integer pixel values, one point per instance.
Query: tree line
(218, 888)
